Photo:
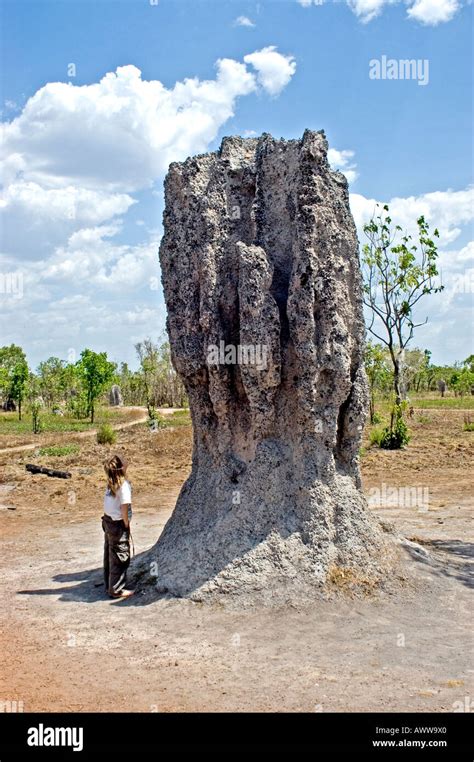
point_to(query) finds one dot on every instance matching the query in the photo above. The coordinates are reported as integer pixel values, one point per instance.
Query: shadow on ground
(89, 588)
(445, 558)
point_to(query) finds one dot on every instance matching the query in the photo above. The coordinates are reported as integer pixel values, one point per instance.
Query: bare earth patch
(68, 648)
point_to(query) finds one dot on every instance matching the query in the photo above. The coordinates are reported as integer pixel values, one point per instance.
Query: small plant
(376, 418)
(106, 434)
(155, 420)
(77, 406)
(468, 423)
(58, 451)
(36, 423)
(395, 435)
(375, 437)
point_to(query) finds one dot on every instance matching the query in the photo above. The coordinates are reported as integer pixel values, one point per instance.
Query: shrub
(396, 435)
(106, 434)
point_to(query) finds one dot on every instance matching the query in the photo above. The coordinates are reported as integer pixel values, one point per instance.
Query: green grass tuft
(58, 451)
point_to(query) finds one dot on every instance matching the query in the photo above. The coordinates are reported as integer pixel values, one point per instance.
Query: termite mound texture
(260, 253)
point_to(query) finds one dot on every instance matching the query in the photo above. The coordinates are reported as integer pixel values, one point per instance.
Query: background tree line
(76, 388)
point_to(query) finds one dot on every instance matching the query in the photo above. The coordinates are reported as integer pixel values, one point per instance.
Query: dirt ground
(66, 647)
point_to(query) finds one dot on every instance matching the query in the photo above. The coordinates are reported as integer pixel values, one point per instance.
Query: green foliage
(35, 404)
(36, 422)
(155, 420)
(161, 384)
(469, 363)
(96, 373)
(378, 373)
(131, 385)
(462, 381)
(53, 380)
(106, 434)
(451, 403)
(395, 435)
(375, 437)
(10, 425)
(397, 273)
(77, 405)
(9, 357)
(18, 379)
(13, 374)
(59, 451)
(178, 418)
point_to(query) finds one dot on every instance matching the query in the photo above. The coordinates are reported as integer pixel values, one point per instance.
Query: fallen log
(48, 471)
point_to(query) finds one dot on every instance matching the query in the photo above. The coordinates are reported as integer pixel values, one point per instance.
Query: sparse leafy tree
(19, 378)
(377, 371)
(51, 377)
(148, 355)
(13, 374)
(96, 372)
(469, 363)
(35, 402)
(397, 274)
(462, 382)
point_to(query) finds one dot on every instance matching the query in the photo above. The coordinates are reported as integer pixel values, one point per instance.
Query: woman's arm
(124, 511)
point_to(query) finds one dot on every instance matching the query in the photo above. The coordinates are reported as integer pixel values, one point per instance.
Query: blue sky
(85, 161)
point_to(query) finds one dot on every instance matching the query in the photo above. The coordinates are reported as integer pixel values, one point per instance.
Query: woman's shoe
(122, 594)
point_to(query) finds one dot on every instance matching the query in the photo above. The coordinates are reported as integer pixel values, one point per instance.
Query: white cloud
(342, 160)
(90, 259)
(366, 10)
(35, 219)
(433, 12)
(71, 160)
(274, 70)
(243, 21)
(446, 210)
(308, 3)
(121, 133)
(429, 12)
(449, 211)
(459, 258)
(66, 203)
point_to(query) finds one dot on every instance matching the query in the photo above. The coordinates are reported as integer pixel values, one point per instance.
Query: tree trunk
(260, 251)
(397, 382)
(372, 404)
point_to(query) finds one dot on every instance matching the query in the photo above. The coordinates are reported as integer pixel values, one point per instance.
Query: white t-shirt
(112, 503)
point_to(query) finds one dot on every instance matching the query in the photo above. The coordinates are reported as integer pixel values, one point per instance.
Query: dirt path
(68, 648)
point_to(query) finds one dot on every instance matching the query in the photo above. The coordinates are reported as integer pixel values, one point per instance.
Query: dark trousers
(116, 554)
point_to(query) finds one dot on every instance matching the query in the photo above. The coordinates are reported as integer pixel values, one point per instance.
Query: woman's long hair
(115, 467)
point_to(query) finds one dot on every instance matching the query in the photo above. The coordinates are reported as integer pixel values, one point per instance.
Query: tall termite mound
(261, 279)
